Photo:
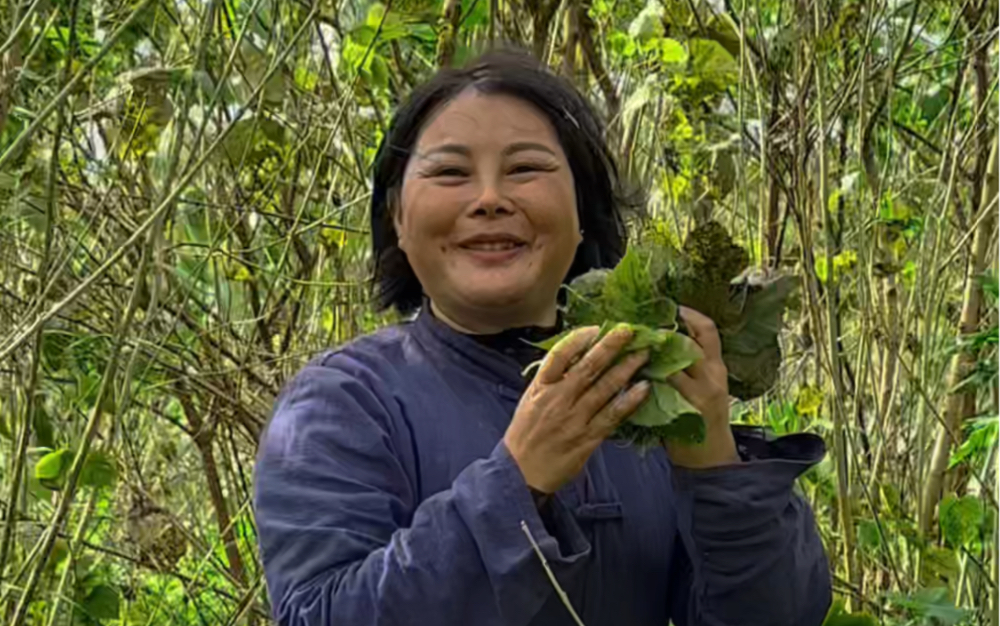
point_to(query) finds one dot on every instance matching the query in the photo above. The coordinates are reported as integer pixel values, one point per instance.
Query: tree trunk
(203, 440)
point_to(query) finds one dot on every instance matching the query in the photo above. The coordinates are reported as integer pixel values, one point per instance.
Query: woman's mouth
(493, 249)
(498, 246)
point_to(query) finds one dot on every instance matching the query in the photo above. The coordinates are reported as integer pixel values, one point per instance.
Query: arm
(750, 555)
(344, 540)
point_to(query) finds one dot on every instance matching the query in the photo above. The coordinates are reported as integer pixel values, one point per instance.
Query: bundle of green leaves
(643, 291)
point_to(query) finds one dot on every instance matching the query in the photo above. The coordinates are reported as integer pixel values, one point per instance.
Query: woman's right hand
(575, 401)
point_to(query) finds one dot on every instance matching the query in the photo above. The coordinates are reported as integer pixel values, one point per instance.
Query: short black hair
(578, 129)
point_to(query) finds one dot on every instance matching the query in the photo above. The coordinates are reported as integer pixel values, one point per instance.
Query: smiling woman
(487, 215)
(499, 127)
(399, 472)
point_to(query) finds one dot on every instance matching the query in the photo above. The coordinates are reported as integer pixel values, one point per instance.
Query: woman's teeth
(498, 246)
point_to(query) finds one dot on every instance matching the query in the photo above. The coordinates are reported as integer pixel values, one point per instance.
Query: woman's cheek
(430, 212)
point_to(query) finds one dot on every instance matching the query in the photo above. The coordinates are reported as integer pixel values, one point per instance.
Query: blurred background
(183, 223)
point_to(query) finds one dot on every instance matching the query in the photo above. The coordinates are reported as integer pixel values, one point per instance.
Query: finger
(611, 383)
(565, 352)
(684, 383)
(702, 329)
(620, 409)
(598, 359)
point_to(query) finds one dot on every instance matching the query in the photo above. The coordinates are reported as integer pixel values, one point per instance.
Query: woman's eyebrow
(524, 146)
(448, 148)
(462, 150)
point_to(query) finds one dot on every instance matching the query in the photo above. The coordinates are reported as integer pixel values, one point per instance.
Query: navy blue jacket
(385, 496)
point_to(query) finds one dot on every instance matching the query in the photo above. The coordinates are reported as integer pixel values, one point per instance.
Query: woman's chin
(489, 297)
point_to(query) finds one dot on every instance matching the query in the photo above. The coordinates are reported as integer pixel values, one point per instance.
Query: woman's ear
(397, 220)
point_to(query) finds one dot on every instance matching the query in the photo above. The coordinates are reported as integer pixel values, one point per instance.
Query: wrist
(718, 449)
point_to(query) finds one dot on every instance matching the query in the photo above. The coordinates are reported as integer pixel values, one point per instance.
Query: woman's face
(487, 215)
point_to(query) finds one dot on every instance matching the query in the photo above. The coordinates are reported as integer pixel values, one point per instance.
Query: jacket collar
(469, 354)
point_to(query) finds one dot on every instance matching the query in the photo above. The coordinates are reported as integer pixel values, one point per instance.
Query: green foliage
(928, 607)
(962, 520)
(710, 261)
(838, 616)
(981, 438)
(747, 312)
(51, 468)
(98, 469)
(643, 291)
(101, 603)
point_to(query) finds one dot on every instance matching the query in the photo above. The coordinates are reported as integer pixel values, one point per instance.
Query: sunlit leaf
(51, 467)
(808, 400)
(672, 51)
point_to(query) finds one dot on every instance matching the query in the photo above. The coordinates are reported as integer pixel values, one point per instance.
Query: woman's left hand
(705, 385)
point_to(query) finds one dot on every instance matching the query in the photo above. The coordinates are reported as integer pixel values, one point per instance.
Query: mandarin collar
(469, 354)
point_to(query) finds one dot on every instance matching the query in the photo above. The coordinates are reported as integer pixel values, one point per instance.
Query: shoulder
(369, 359)
(349, 388)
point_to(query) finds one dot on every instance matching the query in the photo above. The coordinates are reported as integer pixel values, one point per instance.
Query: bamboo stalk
(961, 362)
(833, 327)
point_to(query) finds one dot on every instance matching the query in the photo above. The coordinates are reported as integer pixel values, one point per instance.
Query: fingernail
(623, 330)
(642, 387)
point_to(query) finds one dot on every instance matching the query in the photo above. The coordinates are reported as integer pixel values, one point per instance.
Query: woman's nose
(490, 202)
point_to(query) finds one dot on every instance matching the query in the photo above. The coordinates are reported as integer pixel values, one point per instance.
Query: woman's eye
(525, 168)
(449, 172)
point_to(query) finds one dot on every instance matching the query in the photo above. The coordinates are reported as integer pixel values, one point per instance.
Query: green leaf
(475, 13)
(869, 538)
(961, 520)
(649, 23)
(60, 550)
(629, 294)
(42, 426)
(838, 617)
(52, 465)
(980, 440)
(672, 51)
(674, 353)
(585, 299)
(710, 260)
(664, 405)
(932, 606)
(98, 471)
(665, 415)
(809, 400)
(101, 603)
(990, 286)
(749, 334)
(379, 72)
(621, 45)
(712, 63)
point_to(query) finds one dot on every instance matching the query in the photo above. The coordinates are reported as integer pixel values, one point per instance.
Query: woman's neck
(476, 323)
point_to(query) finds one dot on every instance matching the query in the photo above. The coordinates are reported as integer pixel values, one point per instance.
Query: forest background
(183, 198)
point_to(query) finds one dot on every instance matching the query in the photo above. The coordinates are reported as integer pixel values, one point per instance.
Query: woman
(396, 472)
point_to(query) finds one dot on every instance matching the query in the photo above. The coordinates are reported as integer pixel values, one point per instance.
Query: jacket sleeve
(345, 541)
(750, 554)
